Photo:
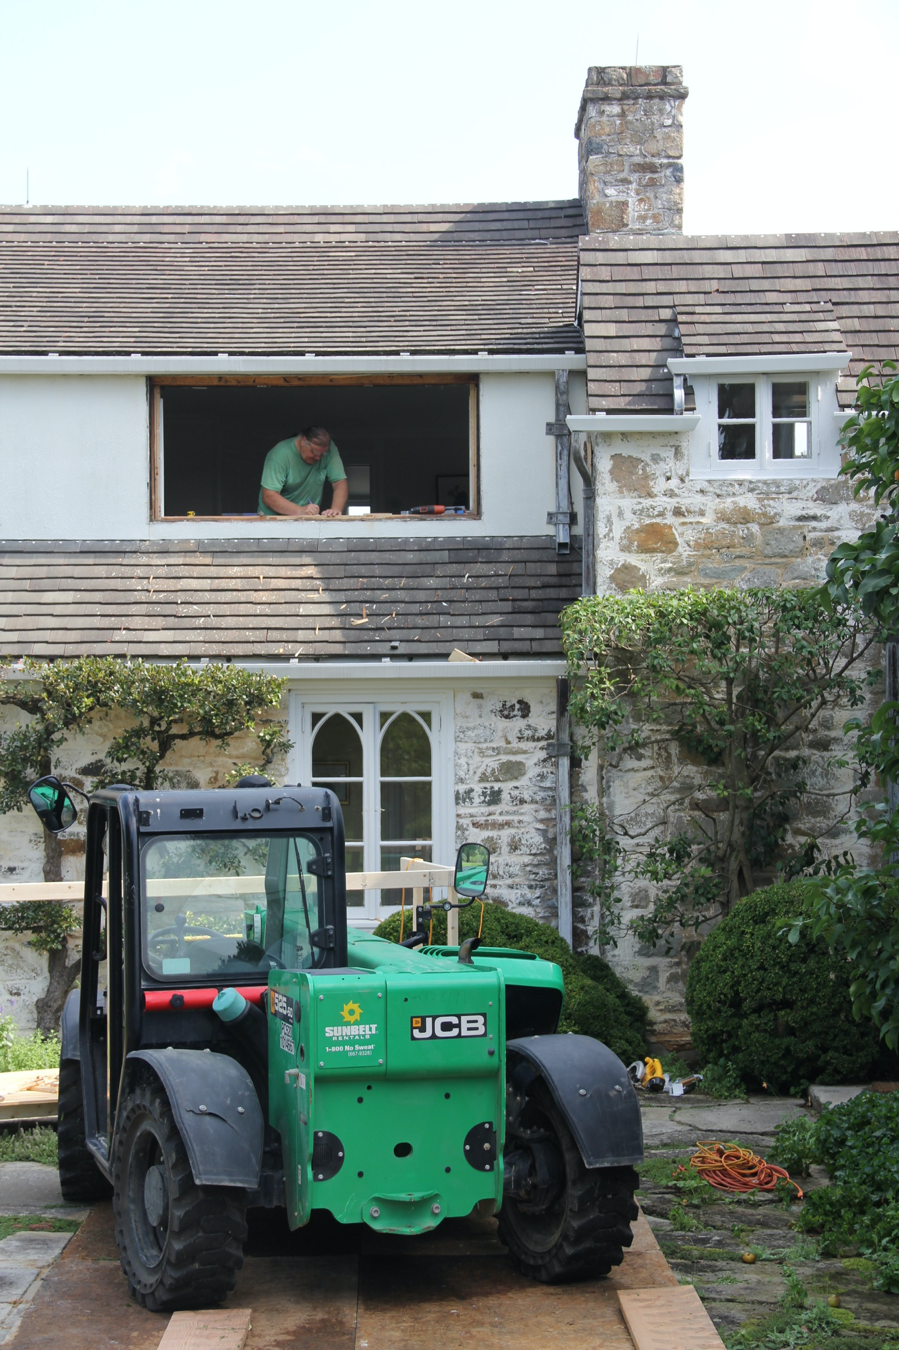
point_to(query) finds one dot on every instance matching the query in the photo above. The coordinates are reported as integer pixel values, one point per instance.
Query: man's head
(313, 444)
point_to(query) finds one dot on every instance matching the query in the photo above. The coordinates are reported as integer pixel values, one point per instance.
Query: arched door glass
(338, 763)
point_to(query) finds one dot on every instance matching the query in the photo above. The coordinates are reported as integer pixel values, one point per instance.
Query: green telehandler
(234, 1043)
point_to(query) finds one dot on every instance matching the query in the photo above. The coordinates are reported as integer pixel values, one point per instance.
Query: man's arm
(282, 507)
(340, 491)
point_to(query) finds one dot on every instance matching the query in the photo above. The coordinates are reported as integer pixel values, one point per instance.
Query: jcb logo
(448, 1027)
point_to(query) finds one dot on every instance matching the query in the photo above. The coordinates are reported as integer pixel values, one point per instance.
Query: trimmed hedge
(780, 1014)
(597, 1003)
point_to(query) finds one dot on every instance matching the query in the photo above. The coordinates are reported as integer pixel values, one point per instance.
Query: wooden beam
(292, 381)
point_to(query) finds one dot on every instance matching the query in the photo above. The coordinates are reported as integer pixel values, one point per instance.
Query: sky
(789, 124)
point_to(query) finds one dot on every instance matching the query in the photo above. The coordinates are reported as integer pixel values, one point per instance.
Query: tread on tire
(189, 1257)
(80, 1179)
(583, 1232)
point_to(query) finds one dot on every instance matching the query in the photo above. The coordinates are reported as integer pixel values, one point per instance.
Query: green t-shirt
(286, 471)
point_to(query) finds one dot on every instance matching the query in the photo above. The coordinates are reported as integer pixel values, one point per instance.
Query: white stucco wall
(74, 459)
(75, 464)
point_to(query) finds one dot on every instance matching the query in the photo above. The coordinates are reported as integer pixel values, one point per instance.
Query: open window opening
(404, 442)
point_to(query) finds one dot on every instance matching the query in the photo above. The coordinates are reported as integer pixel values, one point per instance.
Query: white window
(391, 767)
(780, 422)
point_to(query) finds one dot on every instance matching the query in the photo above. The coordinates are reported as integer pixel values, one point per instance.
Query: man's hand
(340, 492)
(310, 509)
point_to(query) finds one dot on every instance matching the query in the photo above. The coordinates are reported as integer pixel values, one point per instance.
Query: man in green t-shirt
(294, 474)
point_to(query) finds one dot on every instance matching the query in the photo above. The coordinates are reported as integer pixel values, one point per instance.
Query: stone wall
(657, 528)
(630, 143)
(505, 789)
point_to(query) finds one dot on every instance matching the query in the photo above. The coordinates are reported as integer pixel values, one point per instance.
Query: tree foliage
(857, 910)
(164, 706)
(715, 693)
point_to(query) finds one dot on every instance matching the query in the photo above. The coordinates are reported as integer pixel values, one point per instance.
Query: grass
(36, 1145)
(33, 1223)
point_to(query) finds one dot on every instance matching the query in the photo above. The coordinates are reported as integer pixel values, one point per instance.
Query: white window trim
(321, 697)
(824, 460)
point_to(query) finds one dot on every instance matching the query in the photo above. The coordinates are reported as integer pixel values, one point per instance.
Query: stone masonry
(630, 143)
(658, 529)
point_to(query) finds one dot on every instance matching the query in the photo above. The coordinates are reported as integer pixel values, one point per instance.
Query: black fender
(590, 1086)
(217, 1113)
(71, 1041)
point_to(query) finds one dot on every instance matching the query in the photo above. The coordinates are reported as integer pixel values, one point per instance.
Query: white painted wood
(284, 365)
(823, 462)
(811, 363)
(600, 422)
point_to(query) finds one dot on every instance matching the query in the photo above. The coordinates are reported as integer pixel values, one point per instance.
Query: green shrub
(780, 1013)
(35, 1145)
(795, 1146)
(597, 1003)
(32, 1051)
(858, 1143)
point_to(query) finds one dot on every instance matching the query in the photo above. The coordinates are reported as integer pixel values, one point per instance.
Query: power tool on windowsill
(434, 511)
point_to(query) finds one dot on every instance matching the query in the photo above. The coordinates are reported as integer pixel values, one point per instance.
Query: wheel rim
(148, 1189)
(539, 1228)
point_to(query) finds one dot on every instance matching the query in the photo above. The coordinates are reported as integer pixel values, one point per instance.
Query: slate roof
(284, 281)
(647, 298)
(276, 599)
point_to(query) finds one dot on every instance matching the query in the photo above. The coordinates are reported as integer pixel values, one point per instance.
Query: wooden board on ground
(668, 1319)
(29, 1094)
(218, 1329)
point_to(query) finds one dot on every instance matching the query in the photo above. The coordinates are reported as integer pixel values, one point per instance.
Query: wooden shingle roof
(646, 299)
(333, 281)
(276, 599)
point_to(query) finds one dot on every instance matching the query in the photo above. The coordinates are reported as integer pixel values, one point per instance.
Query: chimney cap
(626, 83)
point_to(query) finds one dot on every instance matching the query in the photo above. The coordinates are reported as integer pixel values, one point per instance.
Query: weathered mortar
(505, 789)
(658, 529)
(630, 143)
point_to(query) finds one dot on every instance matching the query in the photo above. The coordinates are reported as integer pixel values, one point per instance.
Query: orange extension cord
(729, 1168)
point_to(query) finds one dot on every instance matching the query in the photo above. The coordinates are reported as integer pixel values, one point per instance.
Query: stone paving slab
(819, 1095)
(29, 1184)
(24, 1260)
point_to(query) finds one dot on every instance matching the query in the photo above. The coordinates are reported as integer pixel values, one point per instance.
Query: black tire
(181, 1245)
(579, 1224)
(80, 1179)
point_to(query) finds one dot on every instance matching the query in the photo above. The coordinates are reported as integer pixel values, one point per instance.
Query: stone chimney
(630, 142)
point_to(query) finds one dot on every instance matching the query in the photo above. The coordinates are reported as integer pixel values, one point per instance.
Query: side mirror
(55, 809)
(472, 868)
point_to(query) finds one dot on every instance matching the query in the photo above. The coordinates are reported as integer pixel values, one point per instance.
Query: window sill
(307, 520)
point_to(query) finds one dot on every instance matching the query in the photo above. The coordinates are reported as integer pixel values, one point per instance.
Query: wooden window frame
(157, 471)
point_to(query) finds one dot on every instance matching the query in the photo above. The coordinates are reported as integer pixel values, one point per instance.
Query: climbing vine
(708, 701)
(163, 706)
(857, 910)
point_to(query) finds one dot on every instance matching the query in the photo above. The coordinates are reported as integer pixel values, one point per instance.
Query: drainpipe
(588, 541)
(563, 517)
(562, 752)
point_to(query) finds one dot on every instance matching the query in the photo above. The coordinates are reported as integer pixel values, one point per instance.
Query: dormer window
(764, 417)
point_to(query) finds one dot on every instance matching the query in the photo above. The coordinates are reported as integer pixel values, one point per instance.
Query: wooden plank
(29, 1094)
(221, 1328)
(474, 489)
(452, 919)
(668, 1319)
(156, 446)
(72, 892)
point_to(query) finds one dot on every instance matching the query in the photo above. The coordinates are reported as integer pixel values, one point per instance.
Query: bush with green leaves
(780, 1013)
(29, 1050)
(857, 910)
(858, 1143)
(597, 1003)
(717, 693)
